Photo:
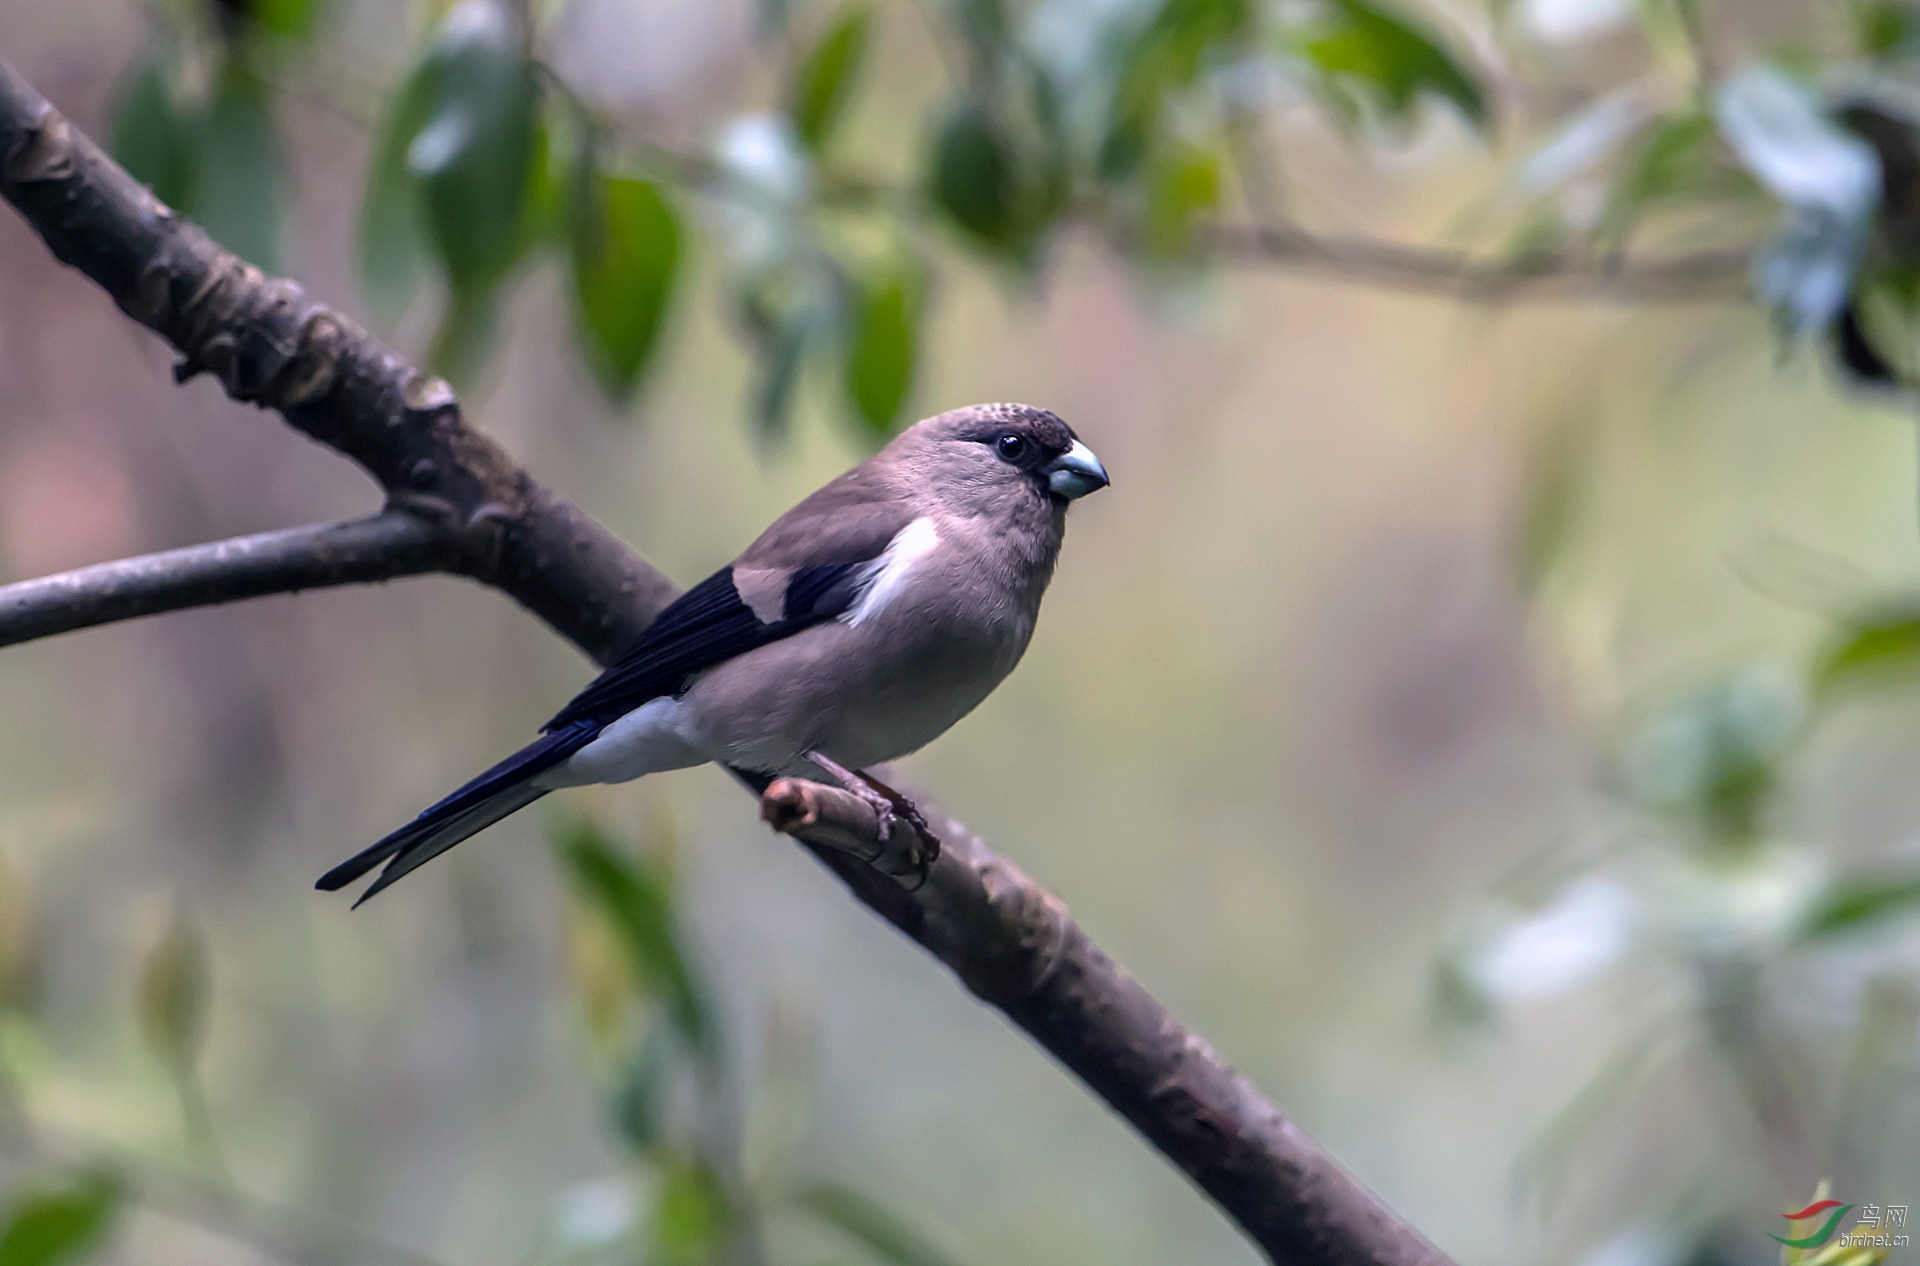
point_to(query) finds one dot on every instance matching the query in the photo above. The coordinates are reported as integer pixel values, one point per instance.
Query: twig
(1004, 936)
(1715, 276)
(1709, 276)
(383, 547)
(829, 817)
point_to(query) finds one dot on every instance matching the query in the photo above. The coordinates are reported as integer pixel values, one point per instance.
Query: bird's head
(990, 452)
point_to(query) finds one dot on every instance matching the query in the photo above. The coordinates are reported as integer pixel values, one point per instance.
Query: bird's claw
(929, 851)
(899, 807)
(890, 808)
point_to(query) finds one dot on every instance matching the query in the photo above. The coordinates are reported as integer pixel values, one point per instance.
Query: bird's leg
(907, 809)
(887, 804)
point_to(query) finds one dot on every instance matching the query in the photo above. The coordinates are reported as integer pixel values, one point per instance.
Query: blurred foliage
(1131, 120)
(712, 1164)
(701, 1190)
(54, 1225)
(1703, 883)
(1145, 127)
(824, 80)
(173, 998)
(483, 143)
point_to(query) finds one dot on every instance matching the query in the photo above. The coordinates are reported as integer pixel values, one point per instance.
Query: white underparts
(889, 575)
(647, 740)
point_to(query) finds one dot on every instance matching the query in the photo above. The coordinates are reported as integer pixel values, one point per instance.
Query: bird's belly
(862, 696)
(870, 727)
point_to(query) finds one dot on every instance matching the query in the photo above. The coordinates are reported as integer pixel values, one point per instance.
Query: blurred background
(1484, 721)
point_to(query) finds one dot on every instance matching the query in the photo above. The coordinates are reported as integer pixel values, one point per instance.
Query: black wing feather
(707, 625)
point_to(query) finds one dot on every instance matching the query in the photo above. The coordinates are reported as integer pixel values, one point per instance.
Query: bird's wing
(806, 569)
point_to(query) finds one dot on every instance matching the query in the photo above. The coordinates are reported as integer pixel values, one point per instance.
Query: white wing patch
(889, 574)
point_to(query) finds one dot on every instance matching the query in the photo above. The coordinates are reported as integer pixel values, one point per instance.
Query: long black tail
(502, 790)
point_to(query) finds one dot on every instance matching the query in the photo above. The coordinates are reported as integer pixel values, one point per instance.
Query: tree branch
(1715, 276)
(1706, 276)
(1013, 944)
(1009, 940)
(389, 545)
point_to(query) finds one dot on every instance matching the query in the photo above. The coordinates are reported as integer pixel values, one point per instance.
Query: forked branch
(1008, 939)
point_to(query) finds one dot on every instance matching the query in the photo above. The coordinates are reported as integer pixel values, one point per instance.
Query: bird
(855, 630)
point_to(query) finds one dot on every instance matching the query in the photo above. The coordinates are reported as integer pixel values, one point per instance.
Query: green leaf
(782, 358)
(1877, 646)
(635, 895)
(865, 1220)
(1165, 56)
(292, 19)
(154, 136)
(1184, 186)
(172, 995)
(393, 244)
(1556, 489)
(785, 311)
(693, 1220)
(1675, 156)
(236, 195)
(1460, 1000)
(54, 1227)
(984, 24)
(475, 153)
(823, 85)
(465, 335)
(557, 176)
(1886, 28)
(1854, 902)
(636, 1105)
(977, 180)
(1715, 755)
(626, 253)
(19, 966)
(1392, 60)
(883, 345)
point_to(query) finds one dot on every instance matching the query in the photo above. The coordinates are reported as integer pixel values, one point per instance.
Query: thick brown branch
(1013, 944)
(383, 547)
(272, 345)
(1008, 939)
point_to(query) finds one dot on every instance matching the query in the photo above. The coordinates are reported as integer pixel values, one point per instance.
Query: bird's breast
(875, 690)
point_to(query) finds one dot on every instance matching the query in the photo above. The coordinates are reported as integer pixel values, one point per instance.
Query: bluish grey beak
(1075, 473)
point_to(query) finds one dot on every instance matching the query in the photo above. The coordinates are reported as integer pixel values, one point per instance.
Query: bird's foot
(921, 860)
(888, 807)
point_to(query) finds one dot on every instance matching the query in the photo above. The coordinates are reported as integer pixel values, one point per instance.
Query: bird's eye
(1010, 447)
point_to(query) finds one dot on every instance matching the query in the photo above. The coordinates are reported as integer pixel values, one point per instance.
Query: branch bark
(1007, 939)
(1013, 944)
(383, 547)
